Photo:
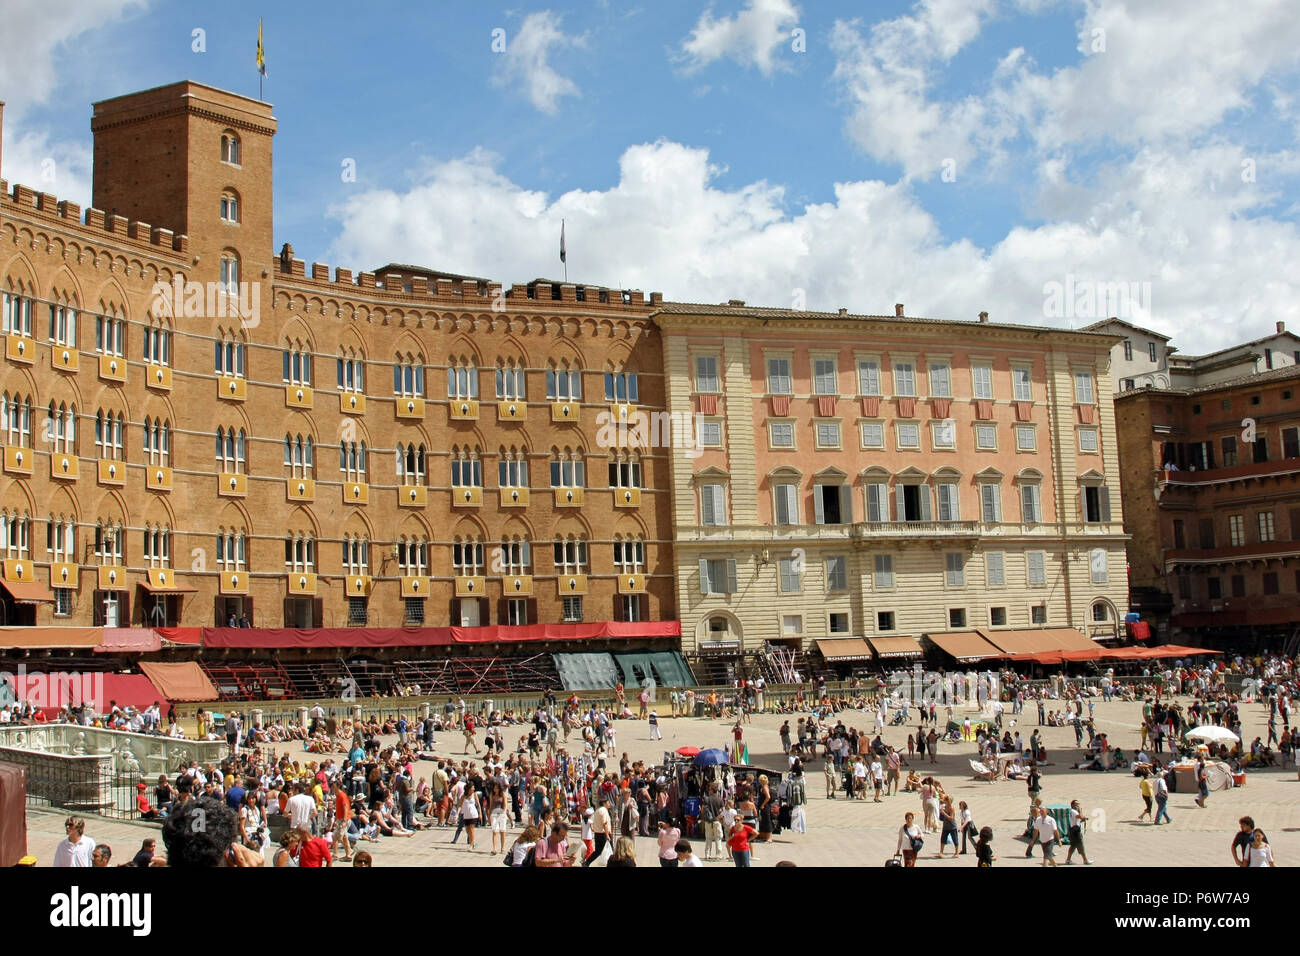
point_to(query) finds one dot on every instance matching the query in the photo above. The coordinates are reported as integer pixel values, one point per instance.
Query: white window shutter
(927, 511)
(1103, 494)
(846, 504)
(731, 576)
(708, 514)
(819, 508)
(704, 577)
(900, 503)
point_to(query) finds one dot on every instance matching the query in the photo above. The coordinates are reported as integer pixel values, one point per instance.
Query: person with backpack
(521, 852)
(910, 840)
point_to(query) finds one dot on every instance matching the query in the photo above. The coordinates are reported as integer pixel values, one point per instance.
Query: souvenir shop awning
(1039, 641)
(965, 645)
(179, 681)
(890, 647)
(845, 649)
(49, 638)
(28, 592)
(120, 639)
(262, 637)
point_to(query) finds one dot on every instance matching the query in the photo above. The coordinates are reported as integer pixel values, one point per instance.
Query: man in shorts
(1047, 834)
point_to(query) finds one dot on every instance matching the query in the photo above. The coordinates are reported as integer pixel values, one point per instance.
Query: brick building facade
(196, 429)
(1212, 501)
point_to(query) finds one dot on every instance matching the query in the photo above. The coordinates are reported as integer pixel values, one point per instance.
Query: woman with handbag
(909, 840)
(252, 822)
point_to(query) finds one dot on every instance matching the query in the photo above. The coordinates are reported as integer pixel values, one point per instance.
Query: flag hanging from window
(563, 255)
(261, 54)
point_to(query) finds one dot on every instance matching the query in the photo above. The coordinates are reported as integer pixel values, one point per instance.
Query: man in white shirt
(301, 808)
(877, 776)
(76, 849)
(685, 855)
(1047, 834)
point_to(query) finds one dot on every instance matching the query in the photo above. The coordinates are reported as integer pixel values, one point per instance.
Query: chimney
(844, 311)
(984, 316)
(1281, 326)
(898, 309)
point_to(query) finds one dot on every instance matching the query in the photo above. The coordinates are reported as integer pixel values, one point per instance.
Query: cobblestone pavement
(863, 833)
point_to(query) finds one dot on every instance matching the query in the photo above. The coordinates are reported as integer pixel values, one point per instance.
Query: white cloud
(751, 38)
(526, 65)
(36, 45)
(1174, 219)
(37, 32)
(886, 76)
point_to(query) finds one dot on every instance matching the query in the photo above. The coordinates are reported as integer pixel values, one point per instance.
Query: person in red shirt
(313, 851)
(142, 803)
(738, 841)
(342, 814)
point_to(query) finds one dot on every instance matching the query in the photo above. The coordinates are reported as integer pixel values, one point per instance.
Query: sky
(958, 156)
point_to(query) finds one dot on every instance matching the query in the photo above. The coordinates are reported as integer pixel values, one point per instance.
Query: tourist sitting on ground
(913, 783)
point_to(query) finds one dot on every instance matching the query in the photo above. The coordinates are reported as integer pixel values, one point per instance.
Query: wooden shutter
(704, 577)
(819, 506)
(846, 504)
(317, 612)
(248, 609)
(900, 502)
(97, 608)
(124, 609)
(219, 605)
(731, 576)
(1103, 496)
(927, 510)
(288, 613)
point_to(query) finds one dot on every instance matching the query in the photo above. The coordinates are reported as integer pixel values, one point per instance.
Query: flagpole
(564, 257)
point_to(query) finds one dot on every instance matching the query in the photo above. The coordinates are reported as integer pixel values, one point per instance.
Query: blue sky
(956, 155)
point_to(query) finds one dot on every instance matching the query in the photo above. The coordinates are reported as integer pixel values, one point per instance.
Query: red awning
(117, 639)
(262, 637)
(180, 681)
(134, 690)
(28, 592)
(180, 635)
(50, 637)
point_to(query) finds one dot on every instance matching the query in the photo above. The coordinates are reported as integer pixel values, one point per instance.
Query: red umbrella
(689, 751)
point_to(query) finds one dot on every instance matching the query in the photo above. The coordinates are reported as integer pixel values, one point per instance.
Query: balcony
(1280, 468)
(922, 530)
(1244, 553)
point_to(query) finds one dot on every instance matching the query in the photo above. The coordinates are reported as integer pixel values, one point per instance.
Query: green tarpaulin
(586, 671)
(666, 667)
